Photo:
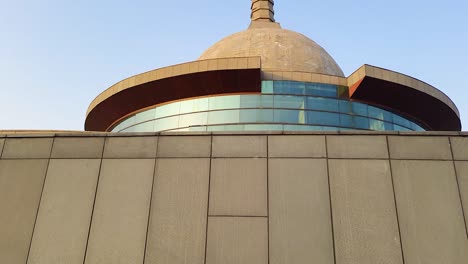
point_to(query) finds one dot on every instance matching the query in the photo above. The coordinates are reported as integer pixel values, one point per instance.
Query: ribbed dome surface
(279, 49)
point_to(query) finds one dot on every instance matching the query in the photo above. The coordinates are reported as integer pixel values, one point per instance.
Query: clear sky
(56, 56)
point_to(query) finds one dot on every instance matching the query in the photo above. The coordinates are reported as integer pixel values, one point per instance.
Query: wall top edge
(48, 134)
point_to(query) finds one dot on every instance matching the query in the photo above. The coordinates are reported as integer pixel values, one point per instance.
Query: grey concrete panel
(130, 147)
(184, 146)
(239, 146)
(27, 148)
(79, 147)
(297, 146)
(462, 173)
(300, 222)
(120, 219)
(238, 187)
(413, 147)
(364, 215)
(177, 228)
(234, 240)
(64, 215)
(21, 184)
(459, 148)
(356, 147)
(430, 214)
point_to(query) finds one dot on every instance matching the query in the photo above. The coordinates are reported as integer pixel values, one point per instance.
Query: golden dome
(279, 49)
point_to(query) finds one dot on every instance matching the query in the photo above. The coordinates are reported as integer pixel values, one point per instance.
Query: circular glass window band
(265, 116)
(289, 102)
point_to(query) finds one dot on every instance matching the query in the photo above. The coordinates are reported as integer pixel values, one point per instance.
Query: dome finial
(262, 10)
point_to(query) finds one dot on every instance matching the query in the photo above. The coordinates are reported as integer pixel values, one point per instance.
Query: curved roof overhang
(406, 95)
(397, 92)
(194, 79)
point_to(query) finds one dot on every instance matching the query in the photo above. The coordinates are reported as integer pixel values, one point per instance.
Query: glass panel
(318, 89)
(302, 128)
(128, 130)
(250, 101)
(345, 107)
(196, 105)
(186, 129)
(289, 116)
(297, 88)
(129, 121)
(226, 128)
(380, 114)
(215, 128)
(346, 121)
(167, 123)
(145, 127)
(145, 115)
(401, 121)
(264, 127)
(359, 109)
(416, 127)
(197, 128)
(223, 117)
(267, 87)
(168, 110)
(286, 101)
(195, 119)
(350, 121)
(378, 125)
(361, 122)
(256, 115)
(266, 101)
(400, 128)
(224, 102)
(256, 101)
(288, 87)
(323, 118)
(324, 104)
(119, 127)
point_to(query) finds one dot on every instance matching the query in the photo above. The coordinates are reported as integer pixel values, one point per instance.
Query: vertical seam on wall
(395, 201)
(40, 198)
(151, 199)
(94, 202)
(330, 200)
(268, 196)
(208, 200)
(3, 147)
(458, 187)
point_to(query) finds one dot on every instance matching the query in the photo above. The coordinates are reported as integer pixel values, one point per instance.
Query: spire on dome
(262, 10)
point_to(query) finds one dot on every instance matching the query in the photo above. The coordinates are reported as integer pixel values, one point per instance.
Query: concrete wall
(234, 198)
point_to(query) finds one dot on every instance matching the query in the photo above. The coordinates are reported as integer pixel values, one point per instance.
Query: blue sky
(56, 56)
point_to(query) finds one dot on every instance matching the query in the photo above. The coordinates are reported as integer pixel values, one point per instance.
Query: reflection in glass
(288, 101)
(379, 114)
